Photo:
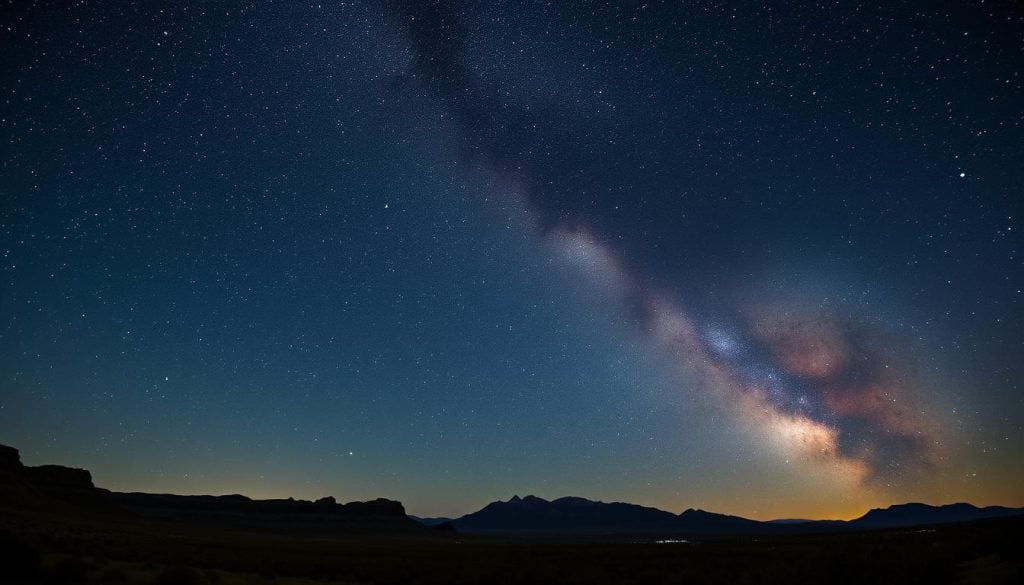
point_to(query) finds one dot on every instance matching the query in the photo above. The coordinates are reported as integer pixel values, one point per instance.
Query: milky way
(817, 384)
(762, 259)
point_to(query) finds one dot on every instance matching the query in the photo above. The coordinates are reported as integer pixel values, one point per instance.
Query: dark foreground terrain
(61, 550)
(55, 527)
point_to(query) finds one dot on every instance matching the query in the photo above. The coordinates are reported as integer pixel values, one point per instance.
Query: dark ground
(72, 545)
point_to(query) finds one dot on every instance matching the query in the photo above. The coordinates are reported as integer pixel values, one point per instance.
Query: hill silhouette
(68, 489)
(915, 514)
(565, 515)
(574, 515)
(57, 527)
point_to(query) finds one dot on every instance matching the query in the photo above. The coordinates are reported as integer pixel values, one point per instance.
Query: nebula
(817, 388)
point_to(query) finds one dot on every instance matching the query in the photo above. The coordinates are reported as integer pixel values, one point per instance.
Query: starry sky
(757, 258)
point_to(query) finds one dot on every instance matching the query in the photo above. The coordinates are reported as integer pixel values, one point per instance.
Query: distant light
(962, 175)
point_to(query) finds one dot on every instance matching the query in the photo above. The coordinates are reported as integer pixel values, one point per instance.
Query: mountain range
(573, 515)
(71, 490)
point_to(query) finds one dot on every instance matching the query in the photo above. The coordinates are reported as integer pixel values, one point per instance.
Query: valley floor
(55, 547)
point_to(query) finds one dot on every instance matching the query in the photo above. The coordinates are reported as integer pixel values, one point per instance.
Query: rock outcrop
(10, 459)
(58, 477)
(55, 485)
(47, 478)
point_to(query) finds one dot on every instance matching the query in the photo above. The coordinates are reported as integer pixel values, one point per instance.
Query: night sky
(758, 259)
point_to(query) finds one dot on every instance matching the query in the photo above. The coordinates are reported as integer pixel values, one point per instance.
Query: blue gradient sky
(761, 261)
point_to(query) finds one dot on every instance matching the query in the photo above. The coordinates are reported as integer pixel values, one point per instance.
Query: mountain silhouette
(711, 523)
(914, 514)
(579, 515)
(566, 515)
(71, 491)
(574, 515)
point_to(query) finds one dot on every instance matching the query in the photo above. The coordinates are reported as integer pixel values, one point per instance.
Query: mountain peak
(566, 515)
(574, 501)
